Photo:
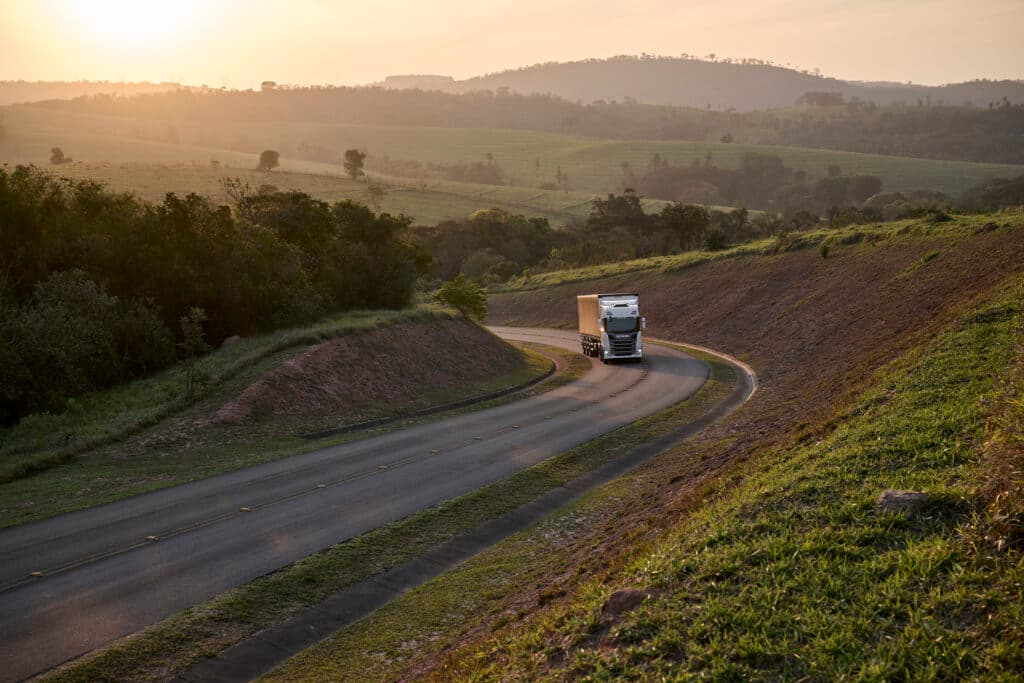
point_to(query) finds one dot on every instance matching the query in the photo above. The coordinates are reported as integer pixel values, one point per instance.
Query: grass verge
(791, 572)
(176, 643)
(121, 469)
(41, 441)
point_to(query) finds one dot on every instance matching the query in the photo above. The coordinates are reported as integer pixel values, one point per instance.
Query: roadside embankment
(262, 394)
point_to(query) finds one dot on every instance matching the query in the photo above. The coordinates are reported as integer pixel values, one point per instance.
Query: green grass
(790, 572)
(110, 427)
(175, 643)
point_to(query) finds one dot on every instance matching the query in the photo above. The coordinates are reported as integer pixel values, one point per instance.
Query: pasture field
(426, 204)
(527, 157)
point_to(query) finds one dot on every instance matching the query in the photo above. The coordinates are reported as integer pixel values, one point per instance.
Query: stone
(229, 341)
(897, 502)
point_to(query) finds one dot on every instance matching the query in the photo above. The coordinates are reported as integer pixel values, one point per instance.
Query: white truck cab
(611, 327)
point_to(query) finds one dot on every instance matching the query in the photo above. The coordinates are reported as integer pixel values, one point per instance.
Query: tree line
(951, 131)
(94, 284)
(492, 245)
(762, 181)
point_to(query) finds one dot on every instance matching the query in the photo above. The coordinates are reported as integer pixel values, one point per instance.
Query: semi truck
(611, 327)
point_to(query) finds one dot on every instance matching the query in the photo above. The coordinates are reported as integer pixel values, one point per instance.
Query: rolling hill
(691, 82)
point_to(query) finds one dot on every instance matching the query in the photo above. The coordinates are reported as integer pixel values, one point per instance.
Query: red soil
(813, 328)
(393, 366)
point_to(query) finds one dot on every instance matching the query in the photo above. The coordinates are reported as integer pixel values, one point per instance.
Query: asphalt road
(112, 570)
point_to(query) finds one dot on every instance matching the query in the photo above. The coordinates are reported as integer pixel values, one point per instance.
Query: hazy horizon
(238, 45)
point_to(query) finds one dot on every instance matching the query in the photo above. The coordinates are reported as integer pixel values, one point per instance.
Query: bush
(465, 296)
(74, 337)
(715, 240)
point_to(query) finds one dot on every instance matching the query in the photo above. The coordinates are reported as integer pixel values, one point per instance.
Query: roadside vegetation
(795, 571)
(144, 436)
(780, 567)
(43, 440)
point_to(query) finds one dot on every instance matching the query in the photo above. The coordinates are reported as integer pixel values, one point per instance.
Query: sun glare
(135, 22)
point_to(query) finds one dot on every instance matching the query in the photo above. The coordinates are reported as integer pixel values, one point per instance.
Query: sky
(239, 43)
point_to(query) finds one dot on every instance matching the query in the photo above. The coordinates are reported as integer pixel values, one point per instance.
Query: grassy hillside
(758, 543)
(795, 572)
(592, 165)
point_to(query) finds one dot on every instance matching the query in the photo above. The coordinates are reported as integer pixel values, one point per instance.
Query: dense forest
(762, 181)
(827, 120)
(94, 284)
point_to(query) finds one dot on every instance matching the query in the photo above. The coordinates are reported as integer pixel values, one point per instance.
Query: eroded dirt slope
(395, 365)
(814, 328)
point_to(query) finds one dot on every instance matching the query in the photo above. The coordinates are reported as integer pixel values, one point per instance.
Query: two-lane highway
(112, 570)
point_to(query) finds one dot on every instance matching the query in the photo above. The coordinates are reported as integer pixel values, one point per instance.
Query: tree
(354, 163)
(687, 222)
(269, 160)
(192, 344)
(57, 157)
(465, 296)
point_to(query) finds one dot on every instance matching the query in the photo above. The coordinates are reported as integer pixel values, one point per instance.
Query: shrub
(71, 338)
(715, 240)
(465, 296)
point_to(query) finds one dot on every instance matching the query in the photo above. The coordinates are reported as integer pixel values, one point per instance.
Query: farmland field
(527, 158)
(427, 204)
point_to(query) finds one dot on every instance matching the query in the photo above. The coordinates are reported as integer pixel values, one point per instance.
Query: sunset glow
(135, 23)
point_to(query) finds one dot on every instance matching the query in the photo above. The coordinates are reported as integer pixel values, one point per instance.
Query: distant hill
(17, 92)
(745, 85)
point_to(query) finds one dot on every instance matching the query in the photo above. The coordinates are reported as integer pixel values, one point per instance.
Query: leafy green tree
(687, 222)
(354, 163)
(269, 160)
(465, 296)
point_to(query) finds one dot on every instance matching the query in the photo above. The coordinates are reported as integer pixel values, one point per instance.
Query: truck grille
(624, 345)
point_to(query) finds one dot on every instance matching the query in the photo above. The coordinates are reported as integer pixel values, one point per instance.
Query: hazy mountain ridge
(745, 85)
(17, 92)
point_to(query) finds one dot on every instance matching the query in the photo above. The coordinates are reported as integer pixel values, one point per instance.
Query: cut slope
(818, 331)
(814, 328)
(349, 369)
(400, 366)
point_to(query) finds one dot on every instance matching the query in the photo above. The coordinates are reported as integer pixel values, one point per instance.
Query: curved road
(112, 570)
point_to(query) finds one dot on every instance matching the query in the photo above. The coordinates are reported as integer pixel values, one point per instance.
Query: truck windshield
(620, 324)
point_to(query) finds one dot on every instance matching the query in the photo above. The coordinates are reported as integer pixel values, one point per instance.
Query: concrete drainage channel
(265, 650)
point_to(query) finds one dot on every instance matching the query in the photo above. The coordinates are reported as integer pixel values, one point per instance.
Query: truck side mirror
(643, 323)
